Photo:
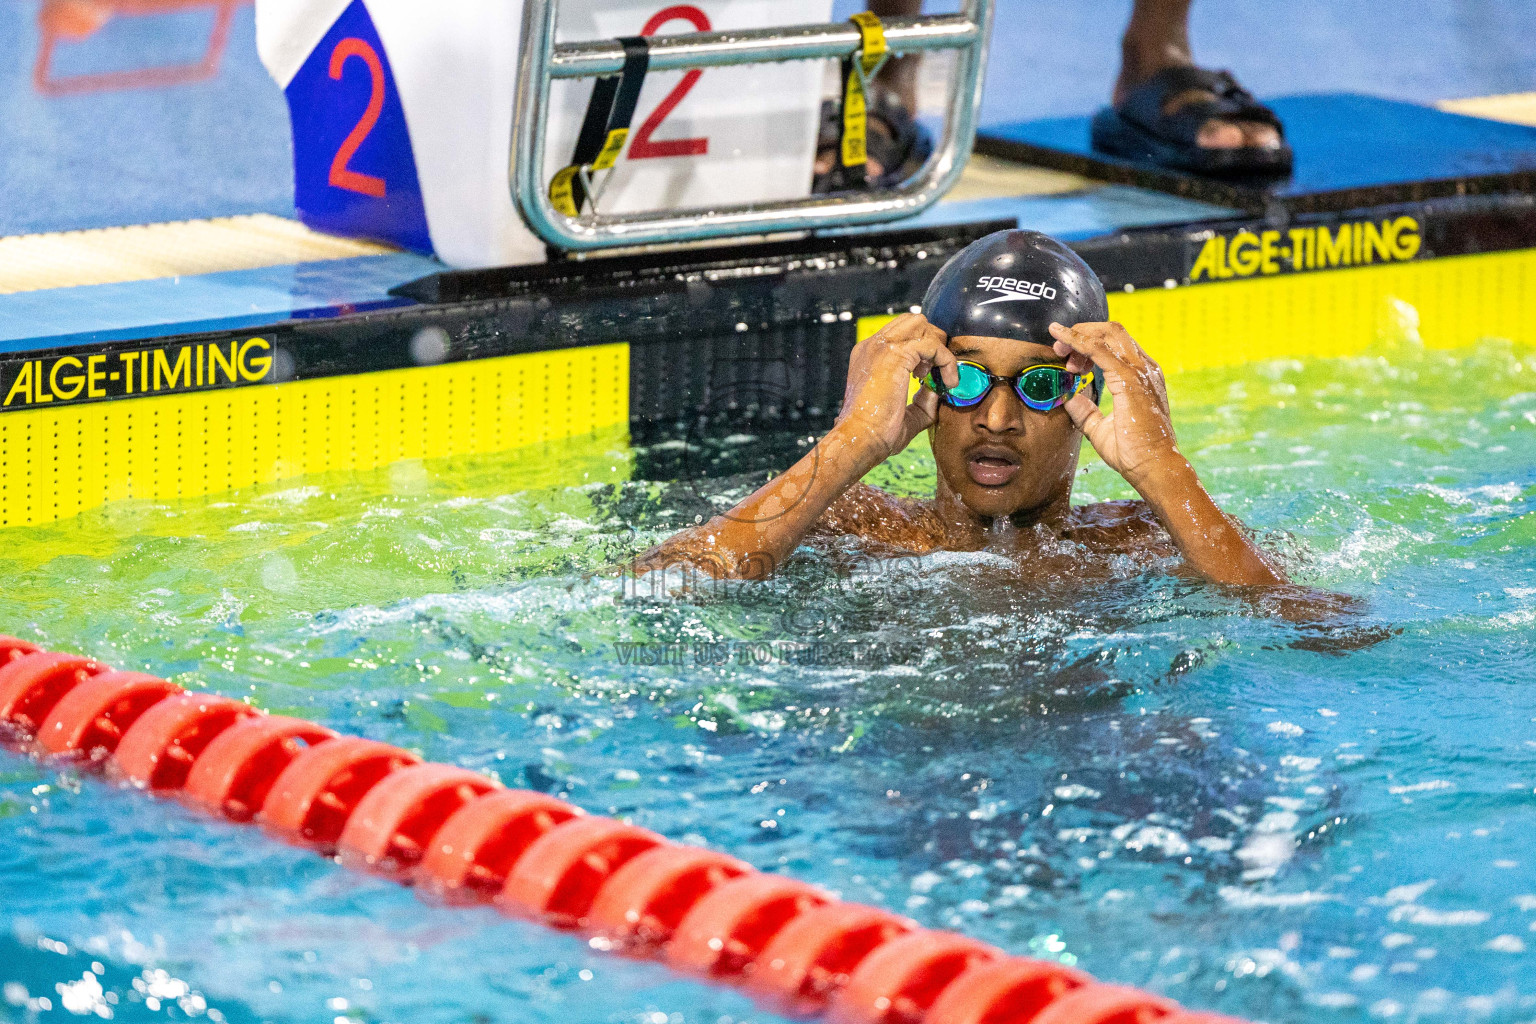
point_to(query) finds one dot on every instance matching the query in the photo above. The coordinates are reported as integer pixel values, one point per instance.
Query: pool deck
(112, 284)
(253, 275)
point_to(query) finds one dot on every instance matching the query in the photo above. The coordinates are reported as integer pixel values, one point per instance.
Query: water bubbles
(1141, 770)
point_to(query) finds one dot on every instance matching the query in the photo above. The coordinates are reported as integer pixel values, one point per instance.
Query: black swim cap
(1015, 284)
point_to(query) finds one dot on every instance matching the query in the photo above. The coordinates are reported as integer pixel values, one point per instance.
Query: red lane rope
(462, 837)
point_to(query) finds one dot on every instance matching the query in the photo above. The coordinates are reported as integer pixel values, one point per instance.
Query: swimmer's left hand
(1136, 439)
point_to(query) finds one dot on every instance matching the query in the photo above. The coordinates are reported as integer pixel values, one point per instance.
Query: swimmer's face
(999, 456)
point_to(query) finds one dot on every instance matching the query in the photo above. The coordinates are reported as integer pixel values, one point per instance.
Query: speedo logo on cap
(1011, 289)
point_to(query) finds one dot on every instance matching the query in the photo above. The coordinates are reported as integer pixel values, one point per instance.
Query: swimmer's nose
(1000, 412)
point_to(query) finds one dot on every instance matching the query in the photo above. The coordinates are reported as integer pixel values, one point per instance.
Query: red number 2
(641, 147)
(341, 175)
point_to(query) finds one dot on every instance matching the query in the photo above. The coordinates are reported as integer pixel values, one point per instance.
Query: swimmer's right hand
(875, 409)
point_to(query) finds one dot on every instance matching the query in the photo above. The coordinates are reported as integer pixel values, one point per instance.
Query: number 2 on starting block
(354, 172)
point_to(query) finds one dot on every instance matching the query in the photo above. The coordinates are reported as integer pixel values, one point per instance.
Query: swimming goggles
(1041, 388)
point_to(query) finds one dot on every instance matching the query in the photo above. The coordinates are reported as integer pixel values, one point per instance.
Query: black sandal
(900, 149)
(1139, 129)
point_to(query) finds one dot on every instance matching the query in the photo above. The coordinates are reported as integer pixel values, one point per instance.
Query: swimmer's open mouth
(992, 465)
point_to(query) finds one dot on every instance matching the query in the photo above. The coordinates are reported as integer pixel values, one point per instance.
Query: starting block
(402, 115)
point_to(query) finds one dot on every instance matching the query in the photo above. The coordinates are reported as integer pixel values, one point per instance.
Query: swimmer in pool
(1013, 350)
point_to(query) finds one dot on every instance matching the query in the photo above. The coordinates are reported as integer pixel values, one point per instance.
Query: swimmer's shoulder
(1117, 526)
(909, 524)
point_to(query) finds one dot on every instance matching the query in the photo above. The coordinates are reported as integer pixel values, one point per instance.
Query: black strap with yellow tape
(858, 69)
(604, 128)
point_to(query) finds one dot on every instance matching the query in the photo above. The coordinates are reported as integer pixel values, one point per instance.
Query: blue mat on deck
(1343, 143)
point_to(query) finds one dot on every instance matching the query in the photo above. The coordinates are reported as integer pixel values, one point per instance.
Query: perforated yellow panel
(1445, 302)
(56, 462)
(59, 462)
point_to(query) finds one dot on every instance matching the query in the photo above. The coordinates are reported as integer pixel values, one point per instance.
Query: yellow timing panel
(187, 417)
(57, 462)
(1446, 302)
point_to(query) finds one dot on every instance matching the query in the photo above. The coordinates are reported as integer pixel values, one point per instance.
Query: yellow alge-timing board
(1447, 302)
(57, 460)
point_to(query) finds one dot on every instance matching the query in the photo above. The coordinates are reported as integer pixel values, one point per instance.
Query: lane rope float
(461, 837)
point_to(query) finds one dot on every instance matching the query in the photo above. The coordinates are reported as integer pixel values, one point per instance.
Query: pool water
(1148, 777)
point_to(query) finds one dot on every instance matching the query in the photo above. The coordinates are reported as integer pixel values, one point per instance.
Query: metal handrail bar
(967, 33)
(761, 46)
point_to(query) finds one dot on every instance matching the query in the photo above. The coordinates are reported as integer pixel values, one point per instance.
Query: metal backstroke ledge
(543, 60)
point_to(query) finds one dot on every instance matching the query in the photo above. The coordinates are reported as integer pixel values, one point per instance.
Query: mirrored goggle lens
(1045, 387)
(972, 387)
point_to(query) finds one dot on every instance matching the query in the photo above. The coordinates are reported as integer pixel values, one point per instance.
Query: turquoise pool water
(1150, 778)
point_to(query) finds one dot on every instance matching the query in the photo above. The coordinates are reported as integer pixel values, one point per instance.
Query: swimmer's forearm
(1211, 542)
(753, 539)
